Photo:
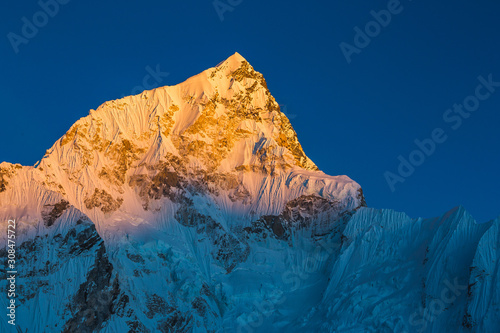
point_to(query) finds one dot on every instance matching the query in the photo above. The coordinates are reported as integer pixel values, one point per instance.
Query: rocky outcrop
(95, 301)
(53, 212)
(227, 249)
(7, 171)
(103, 200)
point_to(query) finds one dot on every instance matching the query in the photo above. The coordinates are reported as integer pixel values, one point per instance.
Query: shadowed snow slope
(193, 208)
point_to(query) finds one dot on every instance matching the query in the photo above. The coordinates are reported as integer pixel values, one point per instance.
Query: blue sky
(352, 118)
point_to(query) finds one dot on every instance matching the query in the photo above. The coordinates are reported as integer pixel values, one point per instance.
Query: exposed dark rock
(269, 225)
(240, 194)
(82, 238)
(166, 257)
(119, 307)
(176, 323)
(200, 305)
(123, 153)
(307, 207)
(136, 326)
(7, 172)
(228, 250)
(94, 302)
(162, 183)
(246, 71)
(157, 305)
(135, 258)
(361, 197)
(52, 212)
(85, 240)
(102, 199)
(318, 214)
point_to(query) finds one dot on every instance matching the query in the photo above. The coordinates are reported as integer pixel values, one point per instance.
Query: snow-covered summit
(233, 62)
(193, 208)
(220, 135)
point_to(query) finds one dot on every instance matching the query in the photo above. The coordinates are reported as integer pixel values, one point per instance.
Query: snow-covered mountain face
(193, 208)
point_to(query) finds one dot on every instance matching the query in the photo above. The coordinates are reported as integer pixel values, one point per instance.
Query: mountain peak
(219, 134)
(225, 118)
(237, 57)
(183, 207)
(233, 61)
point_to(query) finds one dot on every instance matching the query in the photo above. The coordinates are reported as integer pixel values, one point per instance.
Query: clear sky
(352, 118)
